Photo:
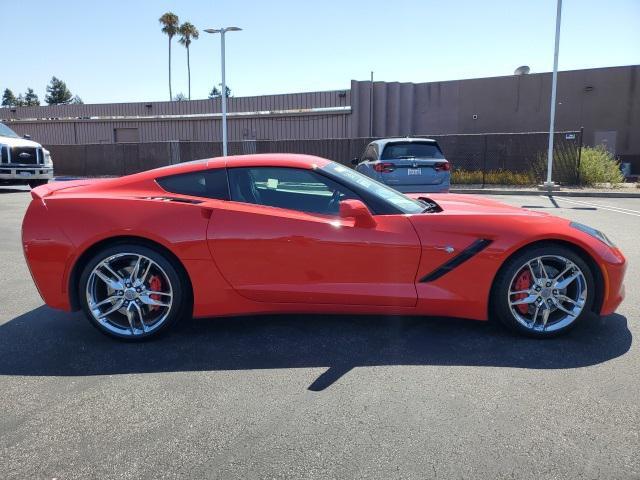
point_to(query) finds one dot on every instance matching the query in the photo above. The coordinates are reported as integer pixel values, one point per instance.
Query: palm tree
(187, 33)
(169, 23)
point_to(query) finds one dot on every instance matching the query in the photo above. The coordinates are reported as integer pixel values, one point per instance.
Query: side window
(205, 183)
(369, 154)
(291, 188)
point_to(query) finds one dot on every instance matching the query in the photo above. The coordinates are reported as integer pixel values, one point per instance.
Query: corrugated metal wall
(599, 99)
(272, 128)
(266, 117)
(605, 101)
(286, 101)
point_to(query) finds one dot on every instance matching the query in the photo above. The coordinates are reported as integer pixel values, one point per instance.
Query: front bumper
(24, 173)
(613, 267)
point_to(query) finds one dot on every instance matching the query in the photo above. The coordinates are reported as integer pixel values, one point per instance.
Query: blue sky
(113, 51)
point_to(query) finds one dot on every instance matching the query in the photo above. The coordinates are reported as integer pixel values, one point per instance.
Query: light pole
(222, 31)
(554, 81)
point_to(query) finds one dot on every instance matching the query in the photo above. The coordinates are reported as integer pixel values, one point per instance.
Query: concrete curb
(560, 193)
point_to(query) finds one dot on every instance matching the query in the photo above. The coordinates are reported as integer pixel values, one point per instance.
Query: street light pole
(224, 98)
(554, 82)
(222, 31)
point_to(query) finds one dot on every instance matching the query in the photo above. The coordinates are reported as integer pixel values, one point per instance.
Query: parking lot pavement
(320, 396)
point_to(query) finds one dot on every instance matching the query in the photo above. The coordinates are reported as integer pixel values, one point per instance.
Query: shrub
(597, 165)
(492, 177)
(565, 165)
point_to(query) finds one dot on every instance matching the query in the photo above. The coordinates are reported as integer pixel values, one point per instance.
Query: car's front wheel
(131, 292)
(543, 291)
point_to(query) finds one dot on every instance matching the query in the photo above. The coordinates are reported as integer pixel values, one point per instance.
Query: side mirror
(358, 211)
(355, 161)
(26, 137)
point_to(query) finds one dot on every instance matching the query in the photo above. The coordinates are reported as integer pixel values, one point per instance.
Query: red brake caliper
(523, 282)
(155, 284)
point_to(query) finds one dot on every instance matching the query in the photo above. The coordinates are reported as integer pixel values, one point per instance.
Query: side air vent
(472, 250)
(431, 206)
(173, 199)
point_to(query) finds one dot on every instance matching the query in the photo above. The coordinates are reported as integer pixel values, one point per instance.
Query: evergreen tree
(20, 102)
(180, 97)
(8, 98)
(76, 100)
(217, 93)
(57, 93)
(31, 99)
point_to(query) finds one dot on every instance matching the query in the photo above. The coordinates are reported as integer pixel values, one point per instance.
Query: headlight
(47, 157)
(594, 233)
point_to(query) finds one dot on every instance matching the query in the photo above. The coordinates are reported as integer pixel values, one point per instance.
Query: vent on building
(588, 88)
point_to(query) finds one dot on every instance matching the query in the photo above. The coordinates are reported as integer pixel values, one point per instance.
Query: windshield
(350, 177)
(411, 150)
(7, 132)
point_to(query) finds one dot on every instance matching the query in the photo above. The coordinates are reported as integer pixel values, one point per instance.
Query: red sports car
(293, 233)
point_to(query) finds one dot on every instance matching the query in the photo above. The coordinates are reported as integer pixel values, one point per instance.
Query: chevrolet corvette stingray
(282, 233)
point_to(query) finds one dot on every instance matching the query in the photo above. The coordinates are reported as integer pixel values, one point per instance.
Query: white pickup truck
(23, 161)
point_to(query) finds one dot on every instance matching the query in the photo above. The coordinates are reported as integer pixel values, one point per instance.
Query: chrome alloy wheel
(129, 294)
(547, 293)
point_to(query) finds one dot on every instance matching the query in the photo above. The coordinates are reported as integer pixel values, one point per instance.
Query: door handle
(445, 248)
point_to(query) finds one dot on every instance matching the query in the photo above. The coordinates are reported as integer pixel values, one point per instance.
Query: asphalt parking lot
(320, 396)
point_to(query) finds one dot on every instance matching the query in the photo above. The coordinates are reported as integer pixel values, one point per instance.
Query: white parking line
(625, 211)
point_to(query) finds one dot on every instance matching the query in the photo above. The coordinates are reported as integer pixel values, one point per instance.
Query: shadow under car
(47, 342)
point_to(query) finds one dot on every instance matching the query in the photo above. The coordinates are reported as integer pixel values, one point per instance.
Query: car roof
(291, 160)
(382, 142)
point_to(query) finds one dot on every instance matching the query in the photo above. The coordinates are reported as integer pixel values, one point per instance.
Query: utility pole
(371, 108)
(554, 81)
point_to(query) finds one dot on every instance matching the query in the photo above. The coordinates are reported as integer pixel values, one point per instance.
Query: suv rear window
(411, 150)
(206, 183)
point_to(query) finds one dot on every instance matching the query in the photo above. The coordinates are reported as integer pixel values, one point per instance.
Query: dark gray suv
(410, 165)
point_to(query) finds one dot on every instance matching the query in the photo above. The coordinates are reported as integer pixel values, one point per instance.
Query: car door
(280, 239)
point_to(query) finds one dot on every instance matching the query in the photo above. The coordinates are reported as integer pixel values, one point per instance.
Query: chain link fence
(476, 159)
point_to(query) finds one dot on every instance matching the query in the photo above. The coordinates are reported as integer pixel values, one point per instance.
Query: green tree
(180, 97)
(8, 98)
(188, 32)
(57, 93)
(76, 100)
(216, 92)
(169, 22)
(31, 99)
(20, 101)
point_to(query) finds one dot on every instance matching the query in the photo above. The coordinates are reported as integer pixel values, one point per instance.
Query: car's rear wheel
(131, 292)
(543, 291)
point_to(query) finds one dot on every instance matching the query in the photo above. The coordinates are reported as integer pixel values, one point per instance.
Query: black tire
(499, 302)
(37, 183)
(178, 285)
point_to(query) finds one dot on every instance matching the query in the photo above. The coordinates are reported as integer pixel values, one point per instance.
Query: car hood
(18, 142)
(464, 204)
